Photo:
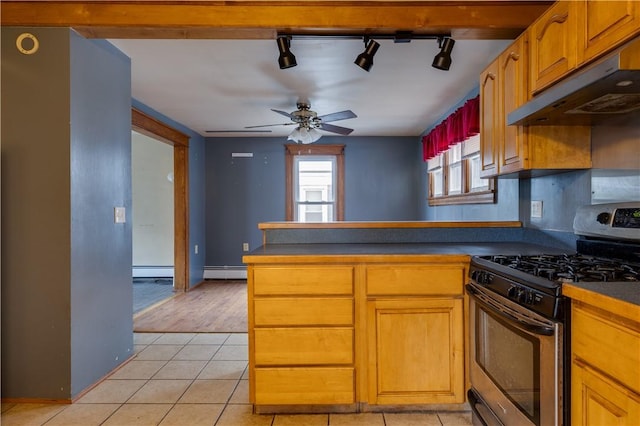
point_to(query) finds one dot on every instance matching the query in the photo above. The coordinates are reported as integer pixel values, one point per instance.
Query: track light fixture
(365, 59)
(442, 60)
(286, 58)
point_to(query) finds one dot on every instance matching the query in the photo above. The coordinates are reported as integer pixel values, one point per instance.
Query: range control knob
(603, 218)
(512, 293)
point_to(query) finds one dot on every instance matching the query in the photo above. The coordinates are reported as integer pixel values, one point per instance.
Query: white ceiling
(229, 84)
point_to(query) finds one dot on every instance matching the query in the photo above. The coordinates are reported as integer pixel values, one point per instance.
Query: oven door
(515, 362)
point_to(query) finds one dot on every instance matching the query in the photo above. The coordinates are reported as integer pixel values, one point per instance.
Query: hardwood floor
(218, 306)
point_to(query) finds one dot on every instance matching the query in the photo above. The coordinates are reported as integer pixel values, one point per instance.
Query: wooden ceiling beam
(263, 19)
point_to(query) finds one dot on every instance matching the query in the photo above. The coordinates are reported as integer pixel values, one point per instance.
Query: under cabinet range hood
(609, 87)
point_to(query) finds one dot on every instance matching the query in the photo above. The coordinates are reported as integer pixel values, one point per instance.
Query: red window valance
(462, 124)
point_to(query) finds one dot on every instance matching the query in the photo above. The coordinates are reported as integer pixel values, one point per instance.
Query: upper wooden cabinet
(490, 133)
(604, 25)
(514, 92)
(553, 45)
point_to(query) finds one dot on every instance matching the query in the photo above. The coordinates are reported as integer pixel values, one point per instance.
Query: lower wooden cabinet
(605, 365)
(599, 400)
(304, 385)
(416, 351)
(343, 336)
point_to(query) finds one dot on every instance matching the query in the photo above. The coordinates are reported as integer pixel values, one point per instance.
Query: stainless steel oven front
(515, 362)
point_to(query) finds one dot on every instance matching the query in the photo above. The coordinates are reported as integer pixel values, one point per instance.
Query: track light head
(442, 60)
(286, 58)
(365, 59)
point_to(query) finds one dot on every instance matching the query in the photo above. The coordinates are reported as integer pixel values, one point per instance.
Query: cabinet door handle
(555, 19)
(489, 75)
(513, 56)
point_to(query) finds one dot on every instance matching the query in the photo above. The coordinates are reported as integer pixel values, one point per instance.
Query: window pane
(477, 184)
(438, 187)
(314, 183)
(455, 178)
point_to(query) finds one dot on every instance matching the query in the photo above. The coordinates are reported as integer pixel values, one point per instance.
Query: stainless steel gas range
(518, 326)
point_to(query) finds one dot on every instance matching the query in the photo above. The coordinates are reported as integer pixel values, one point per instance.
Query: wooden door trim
(149, 126)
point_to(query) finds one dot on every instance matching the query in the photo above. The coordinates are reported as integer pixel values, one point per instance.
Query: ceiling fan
(308, 122)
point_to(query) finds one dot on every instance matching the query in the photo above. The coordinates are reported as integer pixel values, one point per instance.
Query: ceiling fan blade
(335, 129)
(286, 114)
(270, 125)
(342, 115)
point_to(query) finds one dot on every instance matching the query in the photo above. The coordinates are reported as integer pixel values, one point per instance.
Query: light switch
(119, 215)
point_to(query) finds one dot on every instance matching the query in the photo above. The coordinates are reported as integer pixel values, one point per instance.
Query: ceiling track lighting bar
(364, 60)
(397, 37)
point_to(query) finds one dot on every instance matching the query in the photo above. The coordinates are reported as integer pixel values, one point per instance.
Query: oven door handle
(522, 321)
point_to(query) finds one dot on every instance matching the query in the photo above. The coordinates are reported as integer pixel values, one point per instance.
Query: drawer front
(313, 385)
(303, 280)
(303, 346)
(598, 341)
(303, 311)
(415, 280)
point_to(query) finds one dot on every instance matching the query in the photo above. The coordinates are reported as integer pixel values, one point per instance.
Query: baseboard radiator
(152, 271)
(225, 272)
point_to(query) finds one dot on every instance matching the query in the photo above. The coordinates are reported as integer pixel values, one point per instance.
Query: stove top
(570, 268)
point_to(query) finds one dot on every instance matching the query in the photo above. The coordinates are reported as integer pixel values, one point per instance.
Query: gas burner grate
(571, 268)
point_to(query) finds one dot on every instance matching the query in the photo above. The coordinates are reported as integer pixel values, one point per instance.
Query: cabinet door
(489, 120)
(416, 353)
(605, 25)
(514, 93)
(552, 40)
(598, 400)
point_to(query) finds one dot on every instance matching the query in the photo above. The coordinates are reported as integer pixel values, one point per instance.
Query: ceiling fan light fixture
(365, 59)
(442, 60)
(304, 135)
(286, 58)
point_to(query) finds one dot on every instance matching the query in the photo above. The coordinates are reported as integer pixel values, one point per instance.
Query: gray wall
(67, 298)
(382, 182)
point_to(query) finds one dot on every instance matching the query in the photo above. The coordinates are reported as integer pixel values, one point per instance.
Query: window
(454, 176)
(314, 183)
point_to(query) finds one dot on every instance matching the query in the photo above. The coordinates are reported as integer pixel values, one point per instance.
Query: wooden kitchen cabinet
(415, 334)
(552, 45)
(339, 334)
(301, 334)
(490, 133)
(527, 150)
(604, 25)
(504, 88)
(605, 362)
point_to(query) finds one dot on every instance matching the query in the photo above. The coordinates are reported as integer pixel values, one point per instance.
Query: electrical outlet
(536, 209)
(195, 249)
(245, 246)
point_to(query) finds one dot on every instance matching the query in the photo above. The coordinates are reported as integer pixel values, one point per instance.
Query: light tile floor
(191, 379)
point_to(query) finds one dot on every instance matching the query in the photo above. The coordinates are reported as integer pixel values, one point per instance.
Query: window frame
(293, 150)
(468, 195)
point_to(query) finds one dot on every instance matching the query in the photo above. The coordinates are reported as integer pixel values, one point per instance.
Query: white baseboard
(225, 273)
(152, 271)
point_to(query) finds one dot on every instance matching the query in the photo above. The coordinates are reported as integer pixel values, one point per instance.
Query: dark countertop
(473, 249)
(625, 291)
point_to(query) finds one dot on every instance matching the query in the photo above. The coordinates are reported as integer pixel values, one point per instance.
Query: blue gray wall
(382, 182)
(66, 283)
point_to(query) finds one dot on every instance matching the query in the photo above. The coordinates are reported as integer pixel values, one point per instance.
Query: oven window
(511, 358)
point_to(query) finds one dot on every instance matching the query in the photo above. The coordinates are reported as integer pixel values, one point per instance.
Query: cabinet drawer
(303, 346)
(415, 280)
(303, 311)
(598, 341)
(303, 280)
(313, 385)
